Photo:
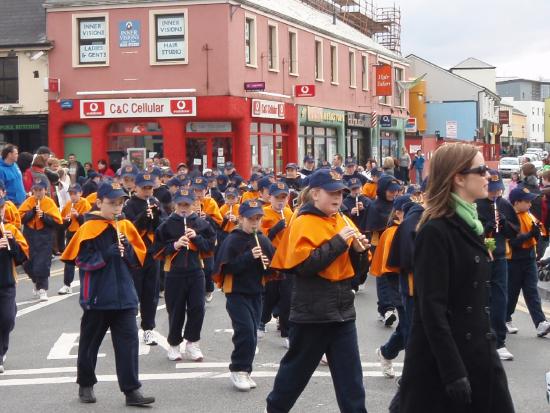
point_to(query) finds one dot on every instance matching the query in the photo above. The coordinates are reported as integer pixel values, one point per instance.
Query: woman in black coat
(451, 363)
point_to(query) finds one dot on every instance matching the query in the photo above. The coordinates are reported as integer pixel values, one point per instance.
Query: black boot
(135, 398)
(86, 394)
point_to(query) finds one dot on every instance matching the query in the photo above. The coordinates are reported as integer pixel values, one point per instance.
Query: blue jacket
(13, 179)
(418, 162)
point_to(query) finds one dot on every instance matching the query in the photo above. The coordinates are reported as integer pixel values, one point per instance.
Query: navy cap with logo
(156, 171)
(175, 181)
(278, 188)
(110, 190)
(39, 183)
(338, 170)
(376, 171)
(232, 192)
(255, 177)
(413, 189)
(350, 162)
(200, 182)
(265, 182)
(401, 201)
(495, 181)
(184, 195)
(521, 194)
(74, 188)
(129, 170)
(354, 183)
(291, 165)
(229, 165)
(144, 179)
(326, 179)
(250, 208)
(308, 158)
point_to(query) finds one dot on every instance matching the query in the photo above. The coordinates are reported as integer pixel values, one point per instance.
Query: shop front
(321, 133)
(391, 136)
(358, 133)
(204, 132)
(26, 131)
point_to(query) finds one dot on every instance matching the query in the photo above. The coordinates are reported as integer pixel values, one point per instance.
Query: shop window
(124, 135)
(267, 141)
(250, 41)
(320, 143)
(319, 60)
(293, 53)
(92, 45)
(334, 64)
(352, 69)
(365, 72)
(272, 47)
(9, 80)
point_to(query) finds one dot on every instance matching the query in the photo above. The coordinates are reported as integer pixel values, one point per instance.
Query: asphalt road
(41, 364)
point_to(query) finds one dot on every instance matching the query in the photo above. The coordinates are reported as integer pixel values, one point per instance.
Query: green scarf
(468, 212)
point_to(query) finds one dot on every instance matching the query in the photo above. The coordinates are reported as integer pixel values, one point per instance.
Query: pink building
(210, 82)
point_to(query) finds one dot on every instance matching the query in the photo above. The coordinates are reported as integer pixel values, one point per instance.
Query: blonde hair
(447, 161)
(388, 163)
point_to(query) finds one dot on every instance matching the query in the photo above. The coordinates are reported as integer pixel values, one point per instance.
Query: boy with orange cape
(13, 251)
(322, 311)
(105, 249)
(41, 218)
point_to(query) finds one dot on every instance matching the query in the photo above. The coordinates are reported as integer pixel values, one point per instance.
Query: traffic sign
(304, 91)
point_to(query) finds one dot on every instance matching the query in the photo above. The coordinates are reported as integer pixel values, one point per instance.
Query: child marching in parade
(13, 251)
(40, 216)
(230, 212)
(73, 216)
(183, 240)
(242, 263)
(105, 249)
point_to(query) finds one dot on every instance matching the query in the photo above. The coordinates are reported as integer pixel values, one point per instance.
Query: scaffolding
(381, 24)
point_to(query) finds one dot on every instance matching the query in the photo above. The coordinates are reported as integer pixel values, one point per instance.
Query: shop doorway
(208, 151)
(124, 135)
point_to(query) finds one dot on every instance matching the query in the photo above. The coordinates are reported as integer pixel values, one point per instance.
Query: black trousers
(68, 271)
(208, 269)
(277, 294)
(184, 294)
(93, 326)
(244, 311)
(8, 309)
(147, 283)
(308, 343)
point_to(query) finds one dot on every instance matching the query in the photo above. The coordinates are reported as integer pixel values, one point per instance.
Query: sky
(512, 35)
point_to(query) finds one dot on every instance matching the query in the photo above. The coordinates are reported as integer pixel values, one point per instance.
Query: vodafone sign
(138, 108)
(304, 91)
(267, 109)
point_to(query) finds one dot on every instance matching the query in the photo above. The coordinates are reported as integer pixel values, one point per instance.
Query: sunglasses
(480, 170)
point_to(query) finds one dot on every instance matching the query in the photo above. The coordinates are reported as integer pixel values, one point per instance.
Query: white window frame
(153, 36)
(253, 41)
(274, 47)
(293, 32)
(334, 72)
(76, 36)
(352, 69)
(365, 71)
(319, 60)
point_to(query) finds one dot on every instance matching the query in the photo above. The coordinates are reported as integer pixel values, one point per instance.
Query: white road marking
(51, 301)
(224, 330)
(30, 372)
(61, 350)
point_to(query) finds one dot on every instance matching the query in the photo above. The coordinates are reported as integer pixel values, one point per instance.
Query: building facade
(524, 89)
(535, 114)
(210, 82)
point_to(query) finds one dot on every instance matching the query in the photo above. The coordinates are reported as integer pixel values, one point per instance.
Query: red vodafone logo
(304, 91)
(256, 108)
(281, 110)
(181, 106)
(93, 108)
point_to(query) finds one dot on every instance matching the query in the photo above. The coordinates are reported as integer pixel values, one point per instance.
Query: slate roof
(22, 23)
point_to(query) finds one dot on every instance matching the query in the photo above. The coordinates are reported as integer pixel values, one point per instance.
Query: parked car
(533, 158)
(507, 165)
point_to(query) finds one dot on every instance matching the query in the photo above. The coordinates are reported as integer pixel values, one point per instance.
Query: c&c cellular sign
(138, 108)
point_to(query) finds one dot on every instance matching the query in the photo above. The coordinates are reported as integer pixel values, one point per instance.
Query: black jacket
(359, 220)
(451, 335)
(508, 224)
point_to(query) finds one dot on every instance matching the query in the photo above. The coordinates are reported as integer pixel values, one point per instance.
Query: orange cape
(526, 224)
(92, 198)
(82, 206)
(229, 226)
(379, 265)
(309, 232)
(250, 196)
(11, 214)
(271, 218)
(47, 205)
(95, 227)
(369, 190)
(20, 239)
(210, 207)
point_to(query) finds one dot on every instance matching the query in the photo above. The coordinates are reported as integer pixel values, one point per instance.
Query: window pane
(195, 149)
(301, 148)
(9, 91)
(266, 127)
(331, 143)
(279, 154)
(254, 149)
(266, 143)
(253, 127)
(221, 148)
(331, 132)
(9, 67)
(319, 131)
(320, 150)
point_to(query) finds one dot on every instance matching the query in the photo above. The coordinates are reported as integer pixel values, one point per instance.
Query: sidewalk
(544, 290)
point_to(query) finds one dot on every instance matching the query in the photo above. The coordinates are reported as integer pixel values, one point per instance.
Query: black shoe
(135, 398)
(86, 394)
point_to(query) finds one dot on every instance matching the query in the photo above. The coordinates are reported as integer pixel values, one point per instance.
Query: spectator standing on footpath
(418, 164)
(76, 170)
(404, 166)
(11, 175)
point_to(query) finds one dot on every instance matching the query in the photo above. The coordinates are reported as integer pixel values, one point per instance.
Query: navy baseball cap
(350, 162)
(255, 177)
(521, 194)
(232, 191)
(39, 183)
(308, 158)
(278, 188)
(400, 202)
(291, 165)
(250, 208)
(156, 171)
(75, 188)
(394, 185)
(265, 182)
(129, 170)
(495, 181)
(144, 179)
(92, 175)
(167, 172)
(110, 190)
(414, 189)
(229, 165)
(175, 181)
(376, 171)
(184, 195)
(354, 183)
(326, 179)
(200, 183)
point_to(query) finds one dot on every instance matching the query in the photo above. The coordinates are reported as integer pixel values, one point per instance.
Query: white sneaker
(324, 360)
(286, 343)
(240, 380)
(208, 297)
(543, 328)
(511, 329)
(387, 365)
(174, 353)
(65, 290)
(504, 354)
(149, 338)
(390, 317)
(193, 351)
(43, 295)
(253, 384)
